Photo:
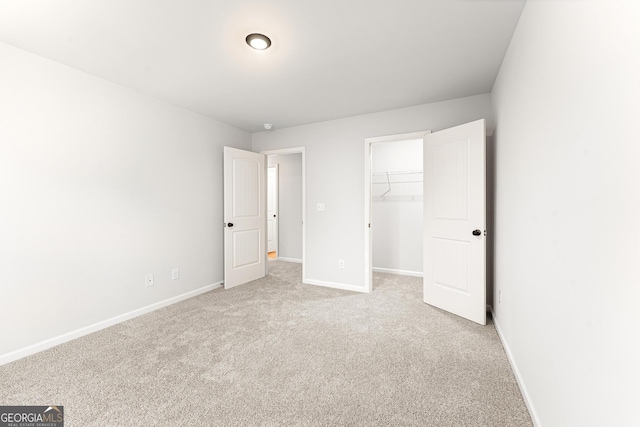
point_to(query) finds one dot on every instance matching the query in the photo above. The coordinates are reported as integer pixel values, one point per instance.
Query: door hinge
(485, 233)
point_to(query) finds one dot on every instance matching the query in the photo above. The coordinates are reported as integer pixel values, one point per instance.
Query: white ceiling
(329, 58)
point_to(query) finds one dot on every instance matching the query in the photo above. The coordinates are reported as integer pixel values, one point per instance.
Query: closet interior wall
(396, 206)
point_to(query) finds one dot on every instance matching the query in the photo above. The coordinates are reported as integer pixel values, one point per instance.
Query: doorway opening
(393, 205)
(286, 196)
(272, 209)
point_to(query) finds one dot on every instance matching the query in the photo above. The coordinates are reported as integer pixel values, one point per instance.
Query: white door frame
(298, 150)
(368, 247)
(277, 212)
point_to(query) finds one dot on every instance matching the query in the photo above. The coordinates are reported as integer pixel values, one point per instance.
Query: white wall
(568, 209)
(335, 176)
(289, 205)
(396, 215)
(100, 186)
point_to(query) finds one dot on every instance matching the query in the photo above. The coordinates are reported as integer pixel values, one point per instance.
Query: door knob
(476, 232)
(274, 216)
(230, 224)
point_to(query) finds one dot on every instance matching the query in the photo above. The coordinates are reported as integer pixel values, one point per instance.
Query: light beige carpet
(277, 352)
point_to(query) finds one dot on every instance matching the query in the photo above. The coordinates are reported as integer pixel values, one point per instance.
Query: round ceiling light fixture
(258, 41)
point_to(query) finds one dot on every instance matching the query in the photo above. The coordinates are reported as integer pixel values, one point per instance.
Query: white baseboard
(400, 272)
(516, 371)
(334, 285)
(281, 258)
(52, 342)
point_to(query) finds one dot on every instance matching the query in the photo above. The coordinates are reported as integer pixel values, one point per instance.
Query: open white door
(454, 229)
(272, 209)
(244, 217)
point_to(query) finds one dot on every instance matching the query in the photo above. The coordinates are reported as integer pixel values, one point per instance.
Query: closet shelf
(410, 177)
(397, 173)
(397, 177)
(397, 182)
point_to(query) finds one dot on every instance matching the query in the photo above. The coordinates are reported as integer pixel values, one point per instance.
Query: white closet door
(454, 211)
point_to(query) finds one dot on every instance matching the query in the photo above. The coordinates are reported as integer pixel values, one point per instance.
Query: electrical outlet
(175, 274)
(500, 297)
(340, 263)
(320, 207)
(148, 280)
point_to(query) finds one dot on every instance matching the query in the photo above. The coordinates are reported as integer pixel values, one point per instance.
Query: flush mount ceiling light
(258, 41)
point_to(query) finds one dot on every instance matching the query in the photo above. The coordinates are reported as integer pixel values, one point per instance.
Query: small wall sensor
(268, 126)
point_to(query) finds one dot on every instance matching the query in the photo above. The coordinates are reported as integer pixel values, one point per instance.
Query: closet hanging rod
(399, 182)
(397, 173)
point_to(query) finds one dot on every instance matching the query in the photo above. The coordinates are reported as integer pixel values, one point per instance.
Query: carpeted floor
(277, 352)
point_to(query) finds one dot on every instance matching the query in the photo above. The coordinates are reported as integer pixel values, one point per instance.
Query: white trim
(296, 150)
(368, 247)
(523, 389)
(277, 207)
(69, 336)
(398, 137)
(281, 258)
(334, 285)
(280, 151)
(400, 272)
